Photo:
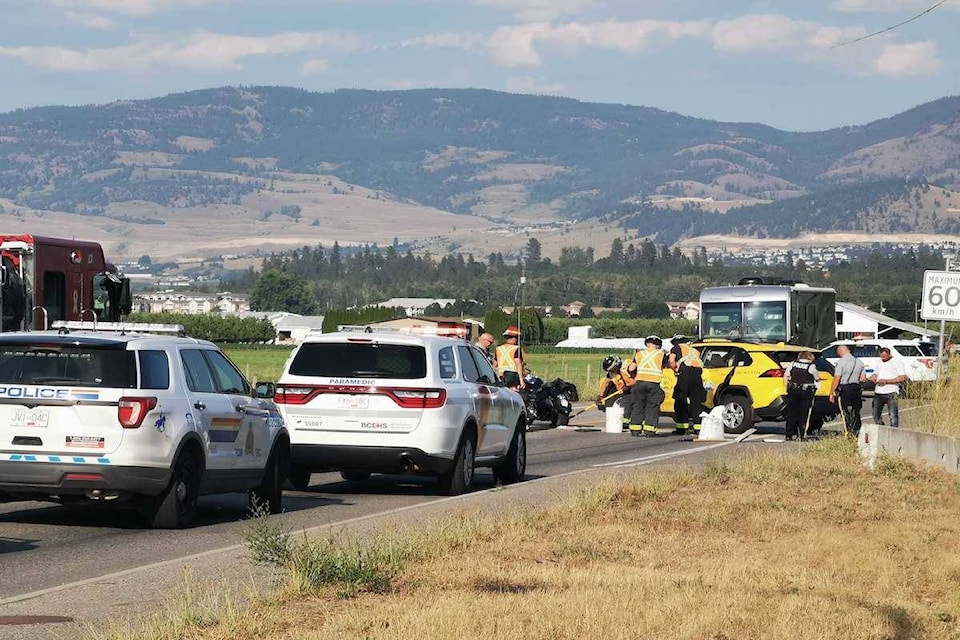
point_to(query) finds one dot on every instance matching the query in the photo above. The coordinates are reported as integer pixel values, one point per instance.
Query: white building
(414, 306)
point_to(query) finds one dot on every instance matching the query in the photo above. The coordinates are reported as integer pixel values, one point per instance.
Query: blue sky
(770, 61)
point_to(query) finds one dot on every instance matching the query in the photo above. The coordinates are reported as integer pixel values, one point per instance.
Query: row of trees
(639, 277)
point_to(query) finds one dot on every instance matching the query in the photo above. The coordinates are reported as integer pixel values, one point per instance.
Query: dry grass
(771, 546)
(936, 405)
(774, 547)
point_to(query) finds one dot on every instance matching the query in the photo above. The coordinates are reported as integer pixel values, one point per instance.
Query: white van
(919, 358)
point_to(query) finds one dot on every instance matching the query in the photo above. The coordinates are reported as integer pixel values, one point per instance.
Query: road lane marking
(659, 457)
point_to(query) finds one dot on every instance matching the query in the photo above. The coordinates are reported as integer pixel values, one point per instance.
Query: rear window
(68, 365)
(364, 360)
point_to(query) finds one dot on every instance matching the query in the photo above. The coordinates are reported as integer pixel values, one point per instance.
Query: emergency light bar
(119, 327)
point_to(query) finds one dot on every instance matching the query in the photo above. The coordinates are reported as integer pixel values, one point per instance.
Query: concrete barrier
(938, 451)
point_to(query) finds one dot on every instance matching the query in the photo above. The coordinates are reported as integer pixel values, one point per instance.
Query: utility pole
(942, 360)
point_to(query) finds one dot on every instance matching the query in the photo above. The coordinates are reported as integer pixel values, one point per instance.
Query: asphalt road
(45, 545)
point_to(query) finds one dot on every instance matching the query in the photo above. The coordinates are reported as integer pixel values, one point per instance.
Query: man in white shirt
(888, 377)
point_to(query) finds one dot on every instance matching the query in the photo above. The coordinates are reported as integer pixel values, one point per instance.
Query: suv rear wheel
(460, 479)
(176, 507)
(737, 413)
(514, 466)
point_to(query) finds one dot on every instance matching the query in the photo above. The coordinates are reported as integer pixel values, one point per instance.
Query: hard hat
(653, 340)
(679, 339)
(612, 363)
(512, 331)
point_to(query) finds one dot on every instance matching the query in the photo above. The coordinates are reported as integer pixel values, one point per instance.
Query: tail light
(929, 363)
(418, 398)
(772, 373)
(408, 398)
(132, 411)
(295, 395)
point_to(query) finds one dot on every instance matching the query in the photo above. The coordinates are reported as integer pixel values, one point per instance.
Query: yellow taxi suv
(747, 379)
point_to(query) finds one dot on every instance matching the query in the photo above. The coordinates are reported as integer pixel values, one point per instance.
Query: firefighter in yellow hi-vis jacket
(647, 368)
(689, 394)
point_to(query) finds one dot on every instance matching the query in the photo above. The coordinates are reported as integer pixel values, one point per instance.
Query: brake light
(927, 362)
(295, 395)
(131, 411)
(418, 398)
(84, 477)
(772, 373)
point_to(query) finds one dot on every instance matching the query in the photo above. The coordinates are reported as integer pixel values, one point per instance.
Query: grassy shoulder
(768, 546)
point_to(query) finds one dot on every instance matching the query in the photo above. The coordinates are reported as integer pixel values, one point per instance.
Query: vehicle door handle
(199, 406)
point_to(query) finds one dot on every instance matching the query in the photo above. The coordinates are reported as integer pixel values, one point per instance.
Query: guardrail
(939, 451)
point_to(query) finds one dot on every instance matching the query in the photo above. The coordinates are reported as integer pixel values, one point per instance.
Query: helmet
(612, 363)
(679, 339)
(512, 331)
(653, 340)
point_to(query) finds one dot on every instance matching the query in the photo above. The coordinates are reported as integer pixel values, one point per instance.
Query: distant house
(685, 310)
(291, 328)
(574, 308)
(192, 303)
(468, 329)
(415, 306)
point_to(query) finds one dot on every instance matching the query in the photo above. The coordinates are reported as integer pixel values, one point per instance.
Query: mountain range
(273, 166)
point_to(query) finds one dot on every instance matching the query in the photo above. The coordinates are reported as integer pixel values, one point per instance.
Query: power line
(892, 27)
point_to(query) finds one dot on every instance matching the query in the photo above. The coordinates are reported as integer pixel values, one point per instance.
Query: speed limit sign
(941, 296)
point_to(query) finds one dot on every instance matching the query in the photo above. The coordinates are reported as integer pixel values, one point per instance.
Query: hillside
(286, 165)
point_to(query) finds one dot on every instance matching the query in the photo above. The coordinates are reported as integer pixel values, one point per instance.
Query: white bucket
(614, 418)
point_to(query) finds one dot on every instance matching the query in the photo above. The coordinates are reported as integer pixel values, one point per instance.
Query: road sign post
(941, 301)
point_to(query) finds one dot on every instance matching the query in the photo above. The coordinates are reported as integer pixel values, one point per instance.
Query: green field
(583, 369)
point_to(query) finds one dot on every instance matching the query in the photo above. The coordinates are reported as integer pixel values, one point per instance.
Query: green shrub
(229, 329)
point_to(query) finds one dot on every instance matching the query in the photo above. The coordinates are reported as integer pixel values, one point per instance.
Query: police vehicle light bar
(120, 327)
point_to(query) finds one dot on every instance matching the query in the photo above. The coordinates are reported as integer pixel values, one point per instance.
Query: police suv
(152, 421)
(363, 403)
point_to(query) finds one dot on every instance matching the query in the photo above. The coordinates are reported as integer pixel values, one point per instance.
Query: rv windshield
(765, 321)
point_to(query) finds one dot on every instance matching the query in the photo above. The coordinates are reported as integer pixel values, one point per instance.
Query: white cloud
(89, 20)
(314, 66)
(201, 51)
(535, 10)
(771, 33)
(908, 60)
(448, 39)
(525, 45)
(881, 6)
(131, 7)
(530, 84)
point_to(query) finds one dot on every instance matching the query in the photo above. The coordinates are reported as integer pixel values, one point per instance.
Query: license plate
(353, 402)
(38, 417)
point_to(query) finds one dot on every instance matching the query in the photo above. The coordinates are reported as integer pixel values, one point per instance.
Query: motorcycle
(548, 402)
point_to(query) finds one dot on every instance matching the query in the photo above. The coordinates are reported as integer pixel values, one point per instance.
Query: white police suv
(153, 421)
(363, 403)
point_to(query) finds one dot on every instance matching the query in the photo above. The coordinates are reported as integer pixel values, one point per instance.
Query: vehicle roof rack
(66, 326)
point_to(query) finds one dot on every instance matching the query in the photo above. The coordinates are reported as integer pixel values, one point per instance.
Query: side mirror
(266, 390)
